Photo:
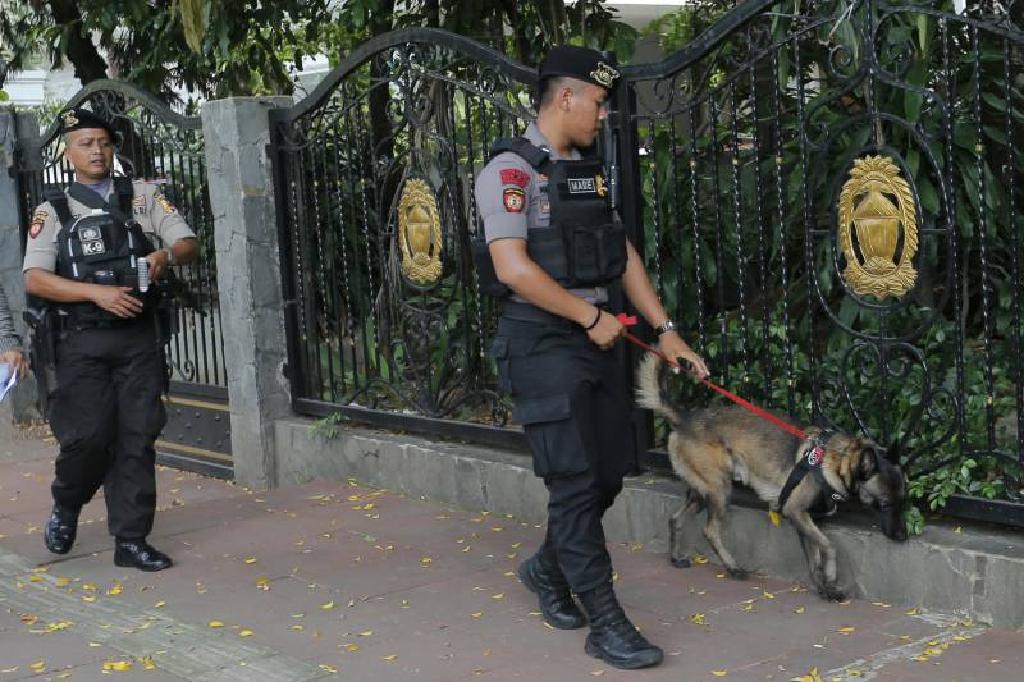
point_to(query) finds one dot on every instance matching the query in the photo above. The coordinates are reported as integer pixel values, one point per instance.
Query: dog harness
(810, 462)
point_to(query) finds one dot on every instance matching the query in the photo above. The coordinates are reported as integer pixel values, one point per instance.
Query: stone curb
(976, 572)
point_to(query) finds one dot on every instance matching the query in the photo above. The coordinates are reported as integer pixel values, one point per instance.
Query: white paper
(8, 378)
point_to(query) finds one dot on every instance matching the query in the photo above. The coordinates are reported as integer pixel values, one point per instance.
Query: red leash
(745, 404)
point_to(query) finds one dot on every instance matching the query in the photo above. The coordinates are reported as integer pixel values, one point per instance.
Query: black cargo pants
(106, 414)
(573, 402)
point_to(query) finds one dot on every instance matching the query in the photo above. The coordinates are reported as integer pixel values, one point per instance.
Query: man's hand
(157, 264)
(673, 346)
(18, 361)
(117, 300)
(607, 331)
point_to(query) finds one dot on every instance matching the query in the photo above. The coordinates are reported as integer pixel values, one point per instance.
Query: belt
(68, 323)
(525, 312)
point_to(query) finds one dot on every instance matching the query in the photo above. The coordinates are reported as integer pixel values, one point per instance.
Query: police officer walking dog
(554, 243)
(90, 255)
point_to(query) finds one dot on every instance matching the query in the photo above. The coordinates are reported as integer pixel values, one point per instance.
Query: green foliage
(719, 245)
(329, 427)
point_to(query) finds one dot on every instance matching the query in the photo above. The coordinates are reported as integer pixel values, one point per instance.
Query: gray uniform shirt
(159, 220)
(511, 198)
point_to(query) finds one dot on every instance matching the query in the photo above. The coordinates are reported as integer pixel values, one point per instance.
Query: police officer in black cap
(92, 252)
(555, 247)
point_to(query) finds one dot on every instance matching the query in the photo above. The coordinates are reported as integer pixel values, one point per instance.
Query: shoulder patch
(38, 220)
(514, 176)
(514, 199)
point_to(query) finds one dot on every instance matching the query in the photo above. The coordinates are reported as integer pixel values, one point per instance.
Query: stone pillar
(22, 402)
(237, 133)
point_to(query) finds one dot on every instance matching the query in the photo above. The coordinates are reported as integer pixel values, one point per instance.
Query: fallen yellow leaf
(697, 618)
(39, 666)
(700, 559)
(352, 647)
(89, 598)
(118, 666)
(500, 595)
(216, 624)
(115, 590)
(63, 581)
(245, 633)
(846, 630)
(328, 606)
(250, 560)
(719, 673)
(477, 614)
(366, 633)
(329, 668)
(160, 604)
(147, 663)
(798, 610)
(391, 658)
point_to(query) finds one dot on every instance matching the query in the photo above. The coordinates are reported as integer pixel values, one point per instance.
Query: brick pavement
(340, 581)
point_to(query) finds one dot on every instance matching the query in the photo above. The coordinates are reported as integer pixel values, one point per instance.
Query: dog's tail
(652, 390)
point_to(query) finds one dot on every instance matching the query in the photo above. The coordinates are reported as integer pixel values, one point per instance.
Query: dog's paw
(738, 573)
(833, 594)
(680, 562)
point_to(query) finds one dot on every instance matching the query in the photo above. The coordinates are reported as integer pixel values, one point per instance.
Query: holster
(43, 350)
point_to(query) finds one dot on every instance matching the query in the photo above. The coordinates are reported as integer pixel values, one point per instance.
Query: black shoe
(141, 555)
(613, 638)
(556, 602)
(61, 529)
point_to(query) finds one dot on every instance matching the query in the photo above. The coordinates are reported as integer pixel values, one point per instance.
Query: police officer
(555, 244)
(84, 253)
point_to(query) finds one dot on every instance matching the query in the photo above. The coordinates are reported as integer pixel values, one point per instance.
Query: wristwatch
(666, 326)
(170, 256)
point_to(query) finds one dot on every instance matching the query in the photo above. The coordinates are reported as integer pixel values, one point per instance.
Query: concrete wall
(979, 573)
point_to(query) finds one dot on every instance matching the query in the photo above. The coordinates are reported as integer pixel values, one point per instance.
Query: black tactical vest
(100, 247)
(583, 245)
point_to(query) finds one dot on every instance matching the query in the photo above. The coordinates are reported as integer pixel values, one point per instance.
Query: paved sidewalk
(339, 581)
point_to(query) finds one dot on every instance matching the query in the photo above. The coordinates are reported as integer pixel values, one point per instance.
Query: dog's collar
(811, 460)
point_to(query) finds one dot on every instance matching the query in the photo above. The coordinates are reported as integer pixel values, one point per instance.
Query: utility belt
(526, 312)
(66, 323)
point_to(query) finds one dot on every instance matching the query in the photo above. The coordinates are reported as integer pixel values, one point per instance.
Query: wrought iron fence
(158, 144)
(833, 210)
(827, 195)
(375, 196)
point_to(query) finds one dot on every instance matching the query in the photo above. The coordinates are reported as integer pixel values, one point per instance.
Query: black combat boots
(613, 638)
(137, 553)
(61, 529)
(556, 602)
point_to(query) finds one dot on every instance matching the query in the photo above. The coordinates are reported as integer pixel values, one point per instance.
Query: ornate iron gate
(375, 177)
(827, 195)
(158, 144)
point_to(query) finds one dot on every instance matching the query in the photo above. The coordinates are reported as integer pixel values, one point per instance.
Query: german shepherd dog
(710, 448)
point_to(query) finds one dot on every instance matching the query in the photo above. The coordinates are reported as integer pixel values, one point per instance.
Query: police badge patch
(514, 199)
(38, 220)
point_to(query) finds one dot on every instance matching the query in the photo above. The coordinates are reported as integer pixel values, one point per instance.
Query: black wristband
(596, 320)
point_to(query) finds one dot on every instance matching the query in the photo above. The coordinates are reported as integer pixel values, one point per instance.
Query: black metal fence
(827, 195)
(158, 144)
(375, 199)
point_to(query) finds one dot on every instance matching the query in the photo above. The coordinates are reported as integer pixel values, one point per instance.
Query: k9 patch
(514, 199)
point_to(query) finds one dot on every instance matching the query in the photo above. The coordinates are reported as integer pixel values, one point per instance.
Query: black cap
(79, 119)
(583, 63)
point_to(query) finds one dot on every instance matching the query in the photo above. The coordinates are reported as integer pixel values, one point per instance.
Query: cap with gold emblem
(80, 119)
(599, 68)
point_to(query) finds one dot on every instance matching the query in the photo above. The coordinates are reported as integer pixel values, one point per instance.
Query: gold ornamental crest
(878, 229)
(419, 233)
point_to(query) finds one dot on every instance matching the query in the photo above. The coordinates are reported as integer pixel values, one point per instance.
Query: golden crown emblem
(70, 119)
(878, 229)
(419, 233)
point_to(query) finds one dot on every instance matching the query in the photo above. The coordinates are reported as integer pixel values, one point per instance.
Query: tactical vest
(583, 245)
(100, 247)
